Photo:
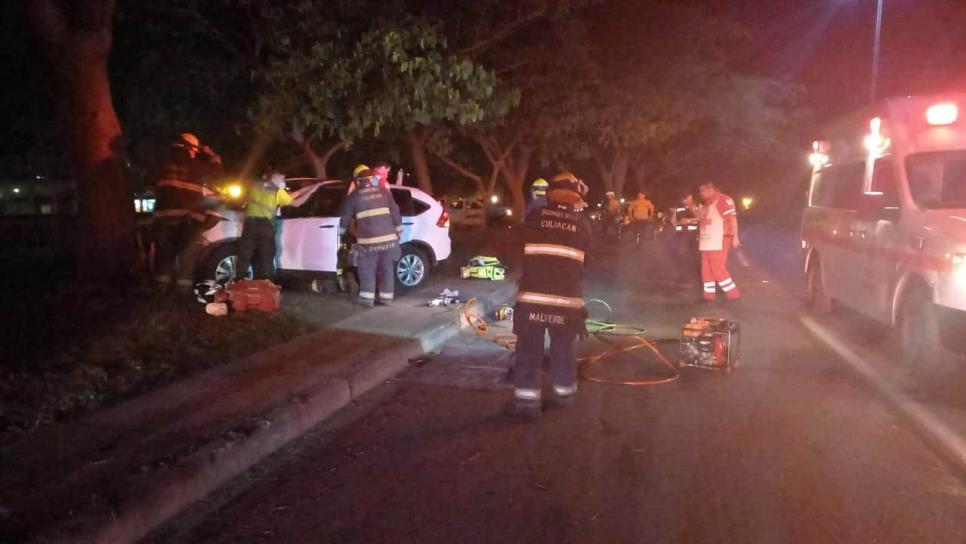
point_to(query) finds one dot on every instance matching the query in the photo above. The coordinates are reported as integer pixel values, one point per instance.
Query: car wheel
(413, 267)
(919, 330)
(819, 301)
(220, 264)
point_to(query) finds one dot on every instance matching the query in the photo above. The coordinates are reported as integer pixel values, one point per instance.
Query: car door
(308, 234)
(410, 208)
(879, 239)
(846, 197)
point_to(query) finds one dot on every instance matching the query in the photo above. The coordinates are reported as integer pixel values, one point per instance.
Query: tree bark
(514, 170)
(619, 170)
(417, 151)
(77, 41)
(613, 172)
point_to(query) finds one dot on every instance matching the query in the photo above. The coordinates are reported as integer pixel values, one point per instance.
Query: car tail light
(443, 221)
(944, 113)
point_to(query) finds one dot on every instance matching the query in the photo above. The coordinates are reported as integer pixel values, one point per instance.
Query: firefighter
(183, 203)
(555, 241)
(717, 235)
(378, 224)
(538, 195)
(258, 232)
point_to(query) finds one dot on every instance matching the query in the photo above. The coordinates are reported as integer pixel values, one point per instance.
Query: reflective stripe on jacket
(556, 239)
(375, 212)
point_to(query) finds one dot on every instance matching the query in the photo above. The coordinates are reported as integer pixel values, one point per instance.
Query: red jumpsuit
(714, 246)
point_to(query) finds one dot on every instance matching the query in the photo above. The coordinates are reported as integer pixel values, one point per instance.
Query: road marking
(936, 429)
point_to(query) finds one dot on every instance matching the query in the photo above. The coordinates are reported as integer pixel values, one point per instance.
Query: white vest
(711, 227)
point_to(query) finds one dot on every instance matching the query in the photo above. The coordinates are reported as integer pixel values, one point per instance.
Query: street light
(875, 49)
(494, 199)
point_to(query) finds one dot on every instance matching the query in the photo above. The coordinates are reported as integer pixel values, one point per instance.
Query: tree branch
(502, 32)
(466, 172)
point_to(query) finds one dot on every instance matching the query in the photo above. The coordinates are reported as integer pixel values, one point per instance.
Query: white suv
(308, 235)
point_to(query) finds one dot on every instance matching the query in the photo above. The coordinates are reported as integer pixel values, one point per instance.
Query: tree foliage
(355, 77)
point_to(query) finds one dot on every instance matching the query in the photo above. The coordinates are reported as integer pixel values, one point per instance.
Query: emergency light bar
(941, 114)
(874, 141)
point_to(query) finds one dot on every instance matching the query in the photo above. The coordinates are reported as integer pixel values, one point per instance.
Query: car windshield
(938, 180)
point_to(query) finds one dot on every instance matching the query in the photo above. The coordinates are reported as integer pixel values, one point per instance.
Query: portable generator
(709, 342)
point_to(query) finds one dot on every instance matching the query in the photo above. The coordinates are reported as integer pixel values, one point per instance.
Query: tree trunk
(417, 150)
(613, 171)
(78, 44)
(514, 170)
(638, 174)
(619, 170)
(320, 162)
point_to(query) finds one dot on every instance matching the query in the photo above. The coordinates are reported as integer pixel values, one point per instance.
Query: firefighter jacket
(377, 217)
(556, 239)
(264, 200)
(180, 181)
(640, 209)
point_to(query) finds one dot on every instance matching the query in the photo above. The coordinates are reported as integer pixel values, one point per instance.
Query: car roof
(311, 184)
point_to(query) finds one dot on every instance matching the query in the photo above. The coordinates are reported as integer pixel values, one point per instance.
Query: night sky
(824, 45)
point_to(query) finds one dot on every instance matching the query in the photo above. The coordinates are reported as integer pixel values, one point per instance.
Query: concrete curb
(214, 463)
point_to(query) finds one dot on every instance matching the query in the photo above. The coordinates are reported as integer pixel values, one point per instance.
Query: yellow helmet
(359, 169)
(539, 187)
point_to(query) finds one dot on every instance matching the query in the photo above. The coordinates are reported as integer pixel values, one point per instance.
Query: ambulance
(884, 232)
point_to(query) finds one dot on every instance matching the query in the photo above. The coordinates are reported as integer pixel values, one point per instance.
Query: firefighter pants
(529, 358)
(376, 266)
(256, 248)
(178, 245)
(714, 273)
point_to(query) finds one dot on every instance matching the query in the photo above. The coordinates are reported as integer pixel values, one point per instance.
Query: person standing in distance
(717, 235)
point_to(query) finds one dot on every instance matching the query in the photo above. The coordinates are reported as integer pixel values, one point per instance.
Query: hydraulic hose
(605, 331)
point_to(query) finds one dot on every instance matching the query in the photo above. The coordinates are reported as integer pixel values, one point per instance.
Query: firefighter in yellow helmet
(378, 224)
(538, 195)
(556, 239)
(258, 232)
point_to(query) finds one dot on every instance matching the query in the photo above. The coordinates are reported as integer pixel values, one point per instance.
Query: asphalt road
(820, 436)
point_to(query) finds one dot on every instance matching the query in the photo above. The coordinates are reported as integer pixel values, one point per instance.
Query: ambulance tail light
(945, 113)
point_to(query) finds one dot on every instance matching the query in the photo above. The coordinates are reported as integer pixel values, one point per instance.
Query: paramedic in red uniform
(717, 235)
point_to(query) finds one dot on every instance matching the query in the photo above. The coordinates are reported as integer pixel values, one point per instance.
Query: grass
(72, 352)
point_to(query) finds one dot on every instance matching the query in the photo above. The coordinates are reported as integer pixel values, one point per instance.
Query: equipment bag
(244, 295)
